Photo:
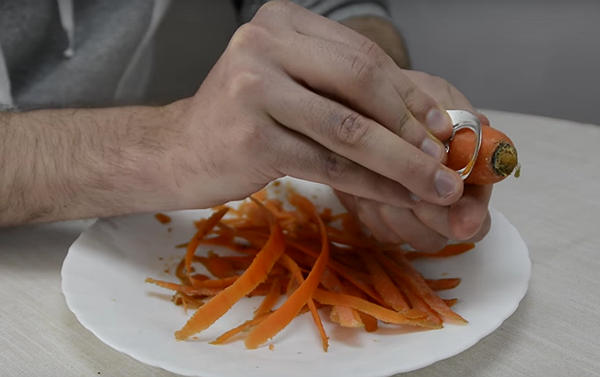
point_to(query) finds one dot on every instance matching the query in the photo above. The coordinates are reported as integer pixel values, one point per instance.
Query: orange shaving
(307, 259)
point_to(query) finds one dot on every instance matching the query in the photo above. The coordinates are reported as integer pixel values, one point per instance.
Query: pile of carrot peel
(313, 260)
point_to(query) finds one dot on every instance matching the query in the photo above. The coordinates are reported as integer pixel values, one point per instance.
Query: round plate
(103, 283)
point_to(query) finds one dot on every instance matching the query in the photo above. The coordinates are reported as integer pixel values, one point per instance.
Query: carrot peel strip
(214, 309)
(290, 308)
(203, 230)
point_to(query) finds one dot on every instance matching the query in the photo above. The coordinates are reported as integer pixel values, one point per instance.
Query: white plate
(103, 282)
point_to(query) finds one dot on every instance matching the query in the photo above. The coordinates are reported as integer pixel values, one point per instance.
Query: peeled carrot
(497, 158)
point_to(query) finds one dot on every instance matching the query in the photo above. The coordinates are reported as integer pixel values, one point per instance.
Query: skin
(293, 94)
(426, 226)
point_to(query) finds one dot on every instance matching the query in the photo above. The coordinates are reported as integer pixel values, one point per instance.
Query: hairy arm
(72, 164)
(384, 33)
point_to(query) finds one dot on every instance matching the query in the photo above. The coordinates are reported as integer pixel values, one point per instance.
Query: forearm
(384, 33)
(72, 164)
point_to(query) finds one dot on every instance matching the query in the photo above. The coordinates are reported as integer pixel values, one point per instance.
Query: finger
(467, 216)
(368, 214)
(411, 229)
(352, 78)
(461, 221)
(341, 62)
(483, 231)
(363, 141)
(295, 155)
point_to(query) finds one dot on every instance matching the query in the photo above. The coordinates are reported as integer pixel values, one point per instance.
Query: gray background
(538, 57)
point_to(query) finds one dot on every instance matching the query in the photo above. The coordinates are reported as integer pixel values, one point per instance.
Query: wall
(533, 56)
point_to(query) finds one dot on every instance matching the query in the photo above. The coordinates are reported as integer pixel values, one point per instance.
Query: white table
(555, 332)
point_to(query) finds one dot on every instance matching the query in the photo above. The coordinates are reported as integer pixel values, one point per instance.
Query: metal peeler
(464, 119)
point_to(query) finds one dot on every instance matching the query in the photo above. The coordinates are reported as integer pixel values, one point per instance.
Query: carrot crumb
(162, 218)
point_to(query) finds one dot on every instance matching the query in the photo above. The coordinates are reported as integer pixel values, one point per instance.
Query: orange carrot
(214, 309)
(290, 308)
(451, 302)
(384, 285)
(379, 312)
(203, 230)
(442, 284)
(162, 218)
(270, 299)
(417, 283)
(343, 315)
(190, 291)
(497, 157)
(212, 283)
(236, 330)
(292, 252)
(217, 266)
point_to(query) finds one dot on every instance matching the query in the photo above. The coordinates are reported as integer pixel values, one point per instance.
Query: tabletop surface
(555, 205)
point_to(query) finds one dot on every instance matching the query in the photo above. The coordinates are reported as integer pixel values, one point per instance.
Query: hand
(297, 94)
(429, 226)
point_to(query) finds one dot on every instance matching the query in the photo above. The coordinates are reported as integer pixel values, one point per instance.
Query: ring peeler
(460, 120)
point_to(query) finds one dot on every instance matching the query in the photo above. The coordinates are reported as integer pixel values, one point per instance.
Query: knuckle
(372, 50)
(247, 35)
(404, 119)
(363, 69)
(245, 84)
(414, 165)
(353, 131)
(276, 8)
(336, 167)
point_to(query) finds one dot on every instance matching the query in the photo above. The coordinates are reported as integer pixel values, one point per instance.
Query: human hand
(428, 226)
(297, 94)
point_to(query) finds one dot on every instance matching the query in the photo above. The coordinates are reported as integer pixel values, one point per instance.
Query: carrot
(236, 330)
(290, 308)
(416, 282)
(190, 291)
(497, 157)
(219, 267)
(384, 285)
(303, 255)
(381, 313)
(270, 299)
(368, 320)
(214, 309)
(343, 315)
(442, 284)
(162, 218)
(451, 302)
(212, 283)
(203, 230)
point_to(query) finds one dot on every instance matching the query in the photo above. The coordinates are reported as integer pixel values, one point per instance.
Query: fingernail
(436, 121)
(432, 148)
(414, 198)
(445, 183)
